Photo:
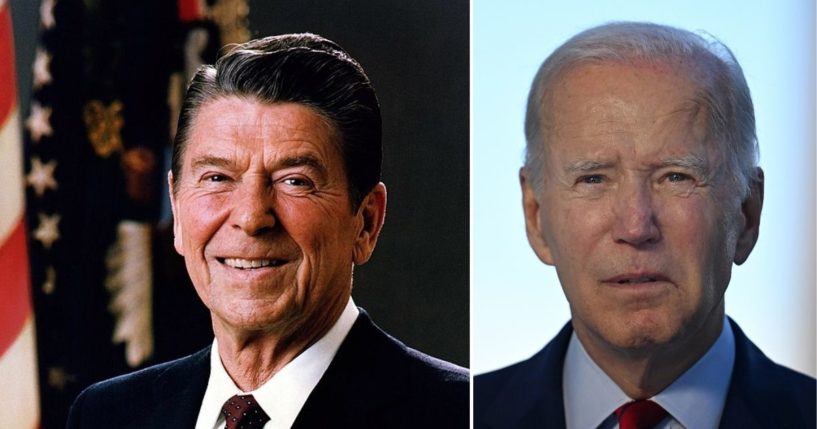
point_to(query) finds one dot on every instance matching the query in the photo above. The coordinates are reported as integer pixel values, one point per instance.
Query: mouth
(636, 279)
(251, 264)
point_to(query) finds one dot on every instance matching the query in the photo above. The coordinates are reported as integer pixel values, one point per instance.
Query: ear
(750, 208)
(372, 213)
(177, 228)
(533, 219)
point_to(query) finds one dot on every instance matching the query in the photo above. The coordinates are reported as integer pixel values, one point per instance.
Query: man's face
(636, 212)
(263, 218)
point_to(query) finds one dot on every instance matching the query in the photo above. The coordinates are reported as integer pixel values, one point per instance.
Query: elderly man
(641, 187)
(276, 197)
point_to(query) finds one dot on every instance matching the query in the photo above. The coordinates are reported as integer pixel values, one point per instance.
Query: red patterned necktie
(243, 412)
(641, 414)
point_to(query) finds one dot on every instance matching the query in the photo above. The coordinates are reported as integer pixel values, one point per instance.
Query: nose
(253, 208)
(635, 216)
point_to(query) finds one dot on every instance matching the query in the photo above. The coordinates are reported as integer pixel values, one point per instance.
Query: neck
(251, 358)
(645, 372)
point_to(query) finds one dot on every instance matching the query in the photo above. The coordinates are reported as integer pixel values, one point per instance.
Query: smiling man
(276, 198)
(641, 187)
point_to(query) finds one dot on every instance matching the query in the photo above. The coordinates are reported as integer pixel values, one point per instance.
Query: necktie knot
(243, 412)
(641, 414)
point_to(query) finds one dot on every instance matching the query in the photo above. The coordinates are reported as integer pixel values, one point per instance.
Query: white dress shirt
(283, 395)
(694, 400)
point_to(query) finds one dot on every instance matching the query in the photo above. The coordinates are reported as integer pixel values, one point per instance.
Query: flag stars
(50, 282)
(47, 14)
(41, 176)
(38, 122)
(42, 74)
(47, 231)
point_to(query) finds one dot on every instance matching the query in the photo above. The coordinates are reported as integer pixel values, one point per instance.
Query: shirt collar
(695, 399)
(283, 395)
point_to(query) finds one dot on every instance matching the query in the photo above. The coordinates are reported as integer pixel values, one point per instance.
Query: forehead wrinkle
(600, 133)
(681, 124)
(690, 107)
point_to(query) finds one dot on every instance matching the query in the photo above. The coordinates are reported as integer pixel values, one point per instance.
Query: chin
(255, 317)
(248, 324)
(642, 341)
(639, 333)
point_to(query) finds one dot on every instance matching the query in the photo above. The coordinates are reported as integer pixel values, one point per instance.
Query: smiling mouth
(251, 264)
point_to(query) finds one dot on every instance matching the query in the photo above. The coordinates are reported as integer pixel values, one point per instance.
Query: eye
(297, 181)
(215, 177)
(591, 179)
(297, 184)
(677, 177)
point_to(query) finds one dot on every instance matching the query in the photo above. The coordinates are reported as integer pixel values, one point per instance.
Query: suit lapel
(178, 393)
(361, 385)
(758, 397)
(754, 391)
(532, 398)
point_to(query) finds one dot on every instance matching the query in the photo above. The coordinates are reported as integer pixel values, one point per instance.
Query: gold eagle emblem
(104, 124)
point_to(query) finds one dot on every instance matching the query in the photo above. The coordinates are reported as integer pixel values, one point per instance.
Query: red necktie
(641, 414)
(243, 412)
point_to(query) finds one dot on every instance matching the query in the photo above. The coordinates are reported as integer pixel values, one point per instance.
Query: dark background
(416, 285)
(416, 55)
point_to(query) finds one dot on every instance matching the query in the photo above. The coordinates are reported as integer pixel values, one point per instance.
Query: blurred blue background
(517, 302)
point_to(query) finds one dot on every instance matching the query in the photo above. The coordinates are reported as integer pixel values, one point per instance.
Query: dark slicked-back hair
(299, 68)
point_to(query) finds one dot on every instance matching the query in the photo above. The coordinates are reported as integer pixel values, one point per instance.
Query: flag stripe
(18, 358)
(12, 198)
(8, 94)
(190, 10)
(13, 260)
(18, 390)
(15, 290)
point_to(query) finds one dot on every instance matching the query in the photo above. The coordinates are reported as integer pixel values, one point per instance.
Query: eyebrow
(210, 161)
(306, 160)
(294, 161)
(584, 166)
(690, 161)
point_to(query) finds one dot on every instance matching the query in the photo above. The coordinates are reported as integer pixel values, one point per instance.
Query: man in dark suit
(641, 186)
(276, 197)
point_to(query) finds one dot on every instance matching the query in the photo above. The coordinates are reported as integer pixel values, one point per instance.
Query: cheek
(574, 229)
(324, 273)
(200, 220)
(695, 224)
(314, 221)
(702, 243)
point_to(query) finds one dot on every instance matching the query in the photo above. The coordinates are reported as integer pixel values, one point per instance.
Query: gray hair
(724, 92)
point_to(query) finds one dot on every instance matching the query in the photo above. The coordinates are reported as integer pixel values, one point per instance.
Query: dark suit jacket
(373, 381)
(528, 394)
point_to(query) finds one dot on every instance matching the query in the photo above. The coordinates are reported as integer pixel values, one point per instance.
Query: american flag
(18, 361)
(106, 79)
